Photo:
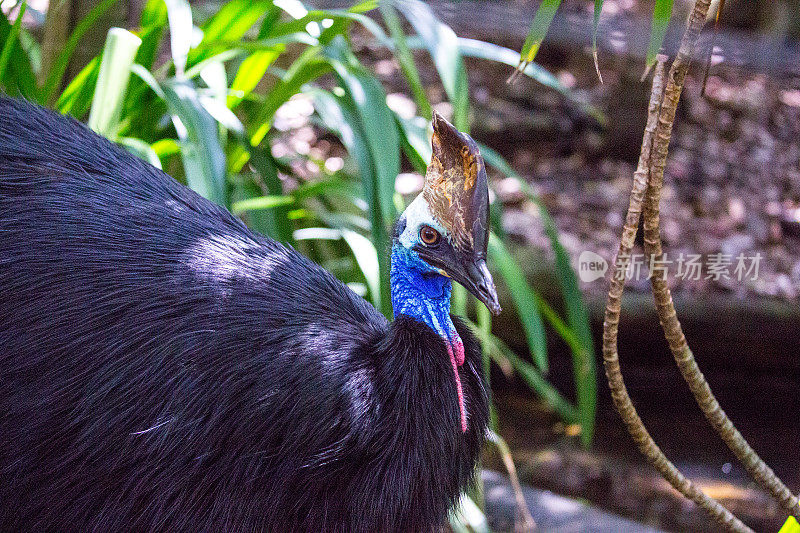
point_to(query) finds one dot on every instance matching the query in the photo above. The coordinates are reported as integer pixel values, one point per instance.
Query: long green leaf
(230, 23)
(584, 367)
(180, 33)
(260, 202)
(250, 73)
(791, 526)
(377, 123)
(77, 97)
(442, 44)
(11, 41)
(524, 300)
(19, 77)
(500, 54)
(539, 27)
(112, 81)
(309, 66)
(56, 74)
(658, 30)
(338, 115)
(598, 10)
(202, 154)
(403, 54)
(501, 353)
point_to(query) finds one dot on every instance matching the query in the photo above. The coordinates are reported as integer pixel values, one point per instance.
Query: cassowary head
(445, 230)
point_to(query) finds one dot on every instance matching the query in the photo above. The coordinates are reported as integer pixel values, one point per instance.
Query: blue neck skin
(421, 292)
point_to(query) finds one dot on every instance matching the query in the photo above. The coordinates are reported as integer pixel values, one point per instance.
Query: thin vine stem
(667, 315)
(619, 393)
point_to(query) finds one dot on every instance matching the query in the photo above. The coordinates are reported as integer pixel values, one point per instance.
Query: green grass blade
(416, 141)
(260, 202)
(179, 15)
(233, 20)
(507, 56)
(202, 154)
(539, 27)
(598, 9)
(56, 74)
(140, 149)
(505, 356)
(584, 367)
(442, 44)
(366, 256)
(77, 97)
(468, 517)
(11, 41)
(403, 54)
(112, 81)
(18, 78)
(524, 300)
(658, 30)
(308, 67)
(338, 115)
(250, 73)
(376, 120)
(275, 222)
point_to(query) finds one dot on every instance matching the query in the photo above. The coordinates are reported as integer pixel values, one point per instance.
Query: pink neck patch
(455, 348)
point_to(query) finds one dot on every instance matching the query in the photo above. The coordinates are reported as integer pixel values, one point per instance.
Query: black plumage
(163, 368)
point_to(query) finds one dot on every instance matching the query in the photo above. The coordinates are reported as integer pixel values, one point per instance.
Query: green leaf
(112, 81)
(376, 121)
(504, 355)
(309, 66)
(260, 202)
(180, 33)
(658, 30)
(416, 141)
(467, 516)
(442, 44)
(274, 222)
(539, 27)
(230, 23)
(598, 9)
(140, 149)
(584, 368)
(524, 300)
(500, 54)
(403, 54)
(77, 97)
(19, 78)
(11, 41)
(56, 73)
(250, 73)
(202, 154)
(367, 258)
(339, 115)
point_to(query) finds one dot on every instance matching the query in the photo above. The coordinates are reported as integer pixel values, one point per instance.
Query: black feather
(163, 368)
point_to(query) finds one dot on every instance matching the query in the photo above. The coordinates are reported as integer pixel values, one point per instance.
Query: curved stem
(673, 332)
(619, 392)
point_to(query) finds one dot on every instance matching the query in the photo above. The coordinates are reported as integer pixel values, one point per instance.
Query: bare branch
(619, 393)
(673, 332)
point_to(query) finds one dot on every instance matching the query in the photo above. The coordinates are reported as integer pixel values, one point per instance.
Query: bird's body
(163, 368)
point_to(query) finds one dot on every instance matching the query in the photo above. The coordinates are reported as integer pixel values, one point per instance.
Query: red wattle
(462, 409)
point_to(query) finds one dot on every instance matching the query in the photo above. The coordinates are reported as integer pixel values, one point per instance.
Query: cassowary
(163, 368)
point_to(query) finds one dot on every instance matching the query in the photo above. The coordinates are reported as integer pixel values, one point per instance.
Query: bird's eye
(429, 236)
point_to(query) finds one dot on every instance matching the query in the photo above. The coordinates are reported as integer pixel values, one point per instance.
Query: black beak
(478, 280)
(471, 272)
